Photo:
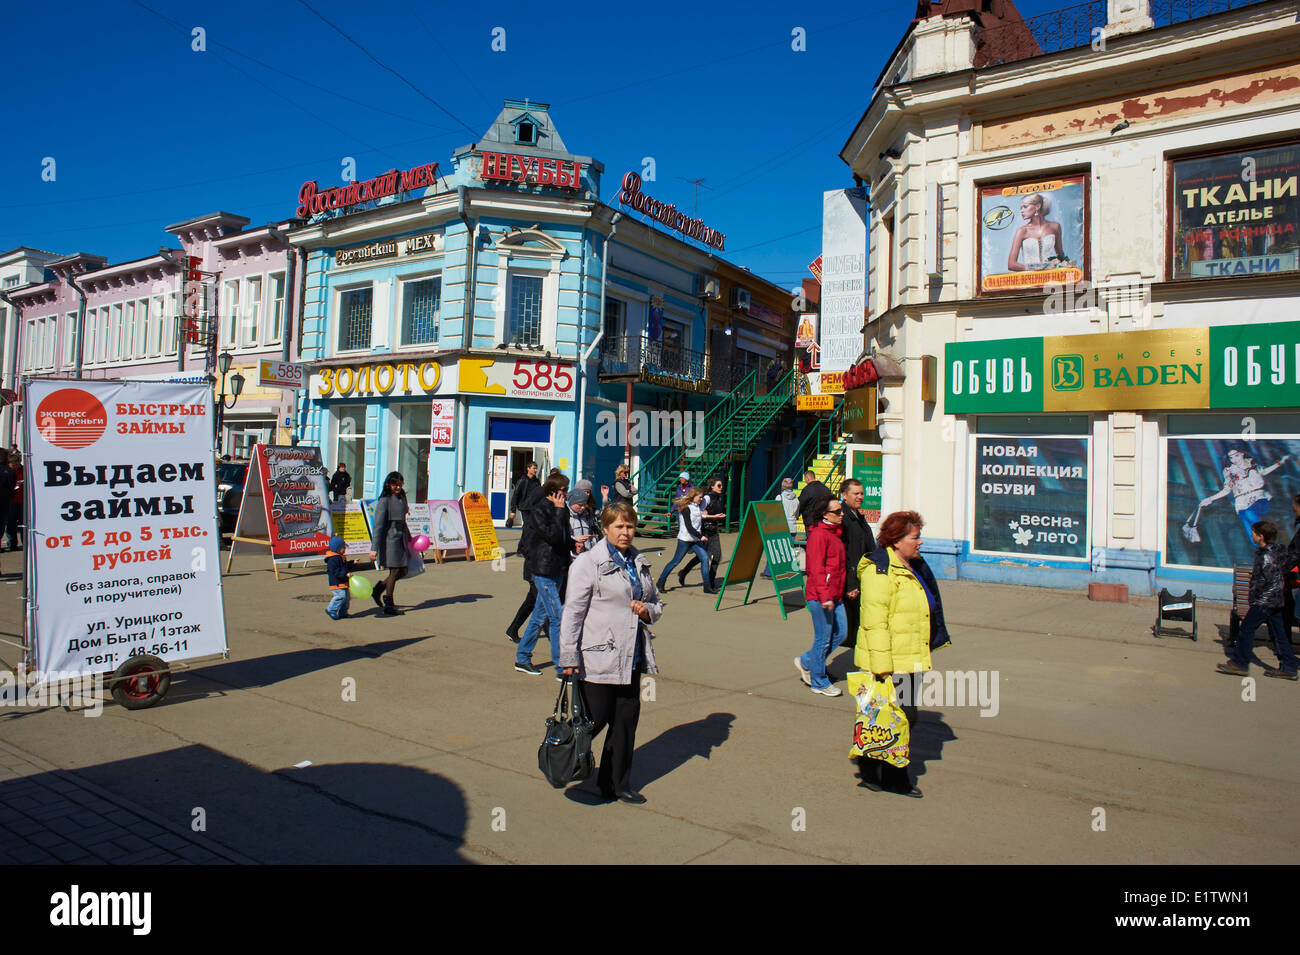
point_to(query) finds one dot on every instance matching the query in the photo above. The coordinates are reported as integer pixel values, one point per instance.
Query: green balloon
(360, 587)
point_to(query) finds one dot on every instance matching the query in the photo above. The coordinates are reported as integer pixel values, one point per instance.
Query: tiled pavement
(49, 816)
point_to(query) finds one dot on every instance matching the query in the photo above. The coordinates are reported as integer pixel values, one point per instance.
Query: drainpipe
(81, 319)
(467, 321)
(595, 342)
(12, 375)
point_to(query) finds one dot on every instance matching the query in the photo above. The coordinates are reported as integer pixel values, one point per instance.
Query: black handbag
(565, 754)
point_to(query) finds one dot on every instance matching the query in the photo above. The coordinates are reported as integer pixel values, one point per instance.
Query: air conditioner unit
(712, 289)
(739, 297)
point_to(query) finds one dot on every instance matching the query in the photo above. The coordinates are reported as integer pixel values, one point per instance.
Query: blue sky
(144, 131)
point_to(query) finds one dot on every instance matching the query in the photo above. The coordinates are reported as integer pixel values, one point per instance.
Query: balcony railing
(1078, 26)
(655, 361)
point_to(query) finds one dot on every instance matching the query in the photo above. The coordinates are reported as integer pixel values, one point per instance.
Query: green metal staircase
(823, 449)
(732, 430)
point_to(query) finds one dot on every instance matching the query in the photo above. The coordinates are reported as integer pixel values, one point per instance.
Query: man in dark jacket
(550, 549)
(340, 482)
(1267, 582)
(858, 543)
(8, 479)
(813, 493)
(517, 495)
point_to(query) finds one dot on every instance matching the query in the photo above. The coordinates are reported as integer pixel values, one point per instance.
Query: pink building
(100, 321)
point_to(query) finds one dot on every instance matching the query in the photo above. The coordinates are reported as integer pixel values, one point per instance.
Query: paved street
(435, 760)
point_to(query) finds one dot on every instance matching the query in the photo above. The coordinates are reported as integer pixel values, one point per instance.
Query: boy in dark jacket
(338, 570)
(1267, 580)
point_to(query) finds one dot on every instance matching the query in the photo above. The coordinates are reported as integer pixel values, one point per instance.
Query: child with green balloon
(342, 583)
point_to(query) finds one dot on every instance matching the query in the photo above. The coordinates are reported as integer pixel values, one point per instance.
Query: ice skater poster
(1033, 233)
(1218, 488)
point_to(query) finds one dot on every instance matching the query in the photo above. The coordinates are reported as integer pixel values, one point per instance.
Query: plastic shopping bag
(881, 730)
(414, 562)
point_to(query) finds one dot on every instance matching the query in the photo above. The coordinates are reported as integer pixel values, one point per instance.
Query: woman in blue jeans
(690, 539)
(824, 591)
(546, 523)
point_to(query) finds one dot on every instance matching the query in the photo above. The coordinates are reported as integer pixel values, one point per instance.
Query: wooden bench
(1241, 574)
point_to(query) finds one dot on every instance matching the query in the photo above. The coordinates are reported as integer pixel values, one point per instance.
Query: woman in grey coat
(390, 547)
(605, 642)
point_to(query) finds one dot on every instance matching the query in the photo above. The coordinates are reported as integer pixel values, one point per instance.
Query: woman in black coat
(391, 544)
(550, 549)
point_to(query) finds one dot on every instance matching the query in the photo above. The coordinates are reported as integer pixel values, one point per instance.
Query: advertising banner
(1031, 496)
(482, 534)
(764, 532)
(349, 522)
(443, 429)
(1236, 213)
(1218, 487)
(524, 378)
(122, 544)
(1223, 366)
(843, 278)
(447, 526)
(1033, 233)
(294, 488)
(814, 402)
(280, 374)
(867, 466)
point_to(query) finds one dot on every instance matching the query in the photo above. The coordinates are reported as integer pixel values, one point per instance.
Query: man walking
(858, 543)
(1267, 581)
(790, 504)
(520, 493)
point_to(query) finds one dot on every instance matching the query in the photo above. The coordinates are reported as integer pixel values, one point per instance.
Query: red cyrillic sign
(313, 200)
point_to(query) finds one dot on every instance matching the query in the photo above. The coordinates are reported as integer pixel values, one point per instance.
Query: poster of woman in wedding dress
(1033, 234)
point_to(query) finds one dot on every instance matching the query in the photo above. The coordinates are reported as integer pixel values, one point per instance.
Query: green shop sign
(1228, 366)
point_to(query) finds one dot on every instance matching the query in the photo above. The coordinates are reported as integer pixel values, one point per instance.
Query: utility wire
(381, 63)
(788, 235)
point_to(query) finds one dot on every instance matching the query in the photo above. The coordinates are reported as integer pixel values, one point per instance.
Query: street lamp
(236, 387)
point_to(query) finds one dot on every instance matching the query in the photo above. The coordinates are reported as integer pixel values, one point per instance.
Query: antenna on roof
(695, 205)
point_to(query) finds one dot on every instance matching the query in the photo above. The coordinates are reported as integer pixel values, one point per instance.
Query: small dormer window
(526, 133)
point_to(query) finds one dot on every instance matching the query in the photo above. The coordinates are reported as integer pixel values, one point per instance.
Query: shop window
(355, 314)
(277, 308)
(1030, 490)
(251, 320)
(414, 422)
(420, 303)
(1235, 213)
(525, 322)
(1223, 473)
(351, 443)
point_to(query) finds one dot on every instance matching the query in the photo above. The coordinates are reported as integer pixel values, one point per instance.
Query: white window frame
(250, 330)
(128, 331)
(550, 297)
(170, 328)
(275, 308)
(337, 324)
(91, 330)
(51, 340)
(402, 286)
(157, 323)
(70, 340)
(230, 313)
(140, 349)
(105, 326)
(115, 332)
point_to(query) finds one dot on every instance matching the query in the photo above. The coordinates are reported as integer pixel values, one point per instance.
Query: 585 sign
(526, 378)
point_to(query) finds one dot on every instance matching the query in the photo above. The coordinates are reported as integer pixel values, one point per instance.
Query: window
(351, 449)
(115, 334)
(614, 343)
(230, 318)
(92, 326)
(526, 133)
(355, 313)
(169, 332)
(105, 324)
(70, 340)
(141, 328)
(252, 318)
(128, 331)
(414, 422)
(420, 302)
(51, 341)
(157, 326)
(525, 320)
(277, 308)
(29, 345)
(12, 281)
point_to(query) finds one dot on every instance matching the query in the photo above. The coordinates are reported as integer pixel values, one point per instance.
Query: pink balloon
(421, 543)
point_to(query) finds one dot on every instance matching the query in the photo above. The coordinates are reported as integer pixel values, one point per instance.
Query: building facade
(462, 322)
(1082, 255)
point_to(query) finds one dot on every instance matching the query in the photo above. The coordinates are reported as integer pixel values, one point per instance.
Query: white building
(1123, 179)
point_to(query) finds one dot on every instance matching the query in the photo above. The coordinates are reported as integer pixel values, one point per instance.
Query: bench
(1241, 574)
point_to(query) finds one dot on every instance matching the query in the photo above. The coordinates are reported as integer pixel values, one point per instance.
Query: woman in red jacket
(824, 591)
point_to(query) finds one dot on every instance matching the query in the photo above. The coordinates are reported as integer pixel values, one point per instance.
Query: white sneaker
(831, 690)
(803, 674)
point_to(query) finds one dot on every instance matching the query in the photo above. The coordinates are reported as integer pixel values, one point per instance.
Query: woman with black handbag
(605, 642)
(390, 547)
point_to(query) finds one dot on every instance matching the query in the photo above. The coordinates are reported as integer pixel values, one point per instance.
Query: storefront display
(1031, 496)
(1217, 487)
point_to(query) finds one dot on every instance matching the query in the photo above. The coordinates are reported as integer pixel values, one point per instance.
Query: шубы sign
(1224, 366)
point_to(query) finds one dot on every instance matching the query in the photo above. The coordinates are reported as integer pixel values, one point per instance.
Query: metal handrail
(831, 426)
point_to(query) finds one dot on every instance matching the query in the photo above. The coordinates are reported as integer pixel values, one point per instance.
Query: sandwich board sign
(764, 533)
(286, 505)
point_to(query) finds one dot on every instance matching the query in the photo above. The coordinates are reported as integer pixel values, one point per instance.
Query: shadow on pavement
(269, 670)
(444, 601)
(349, 813)
(674, 747)
(928, 736)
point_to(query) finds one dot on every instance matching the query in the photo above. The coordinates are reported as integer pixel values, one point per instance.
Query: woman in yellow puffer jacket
(901, 622)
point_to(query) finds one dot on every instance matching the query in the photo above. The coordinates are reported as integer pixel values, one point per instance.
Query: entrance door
(513, 442)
